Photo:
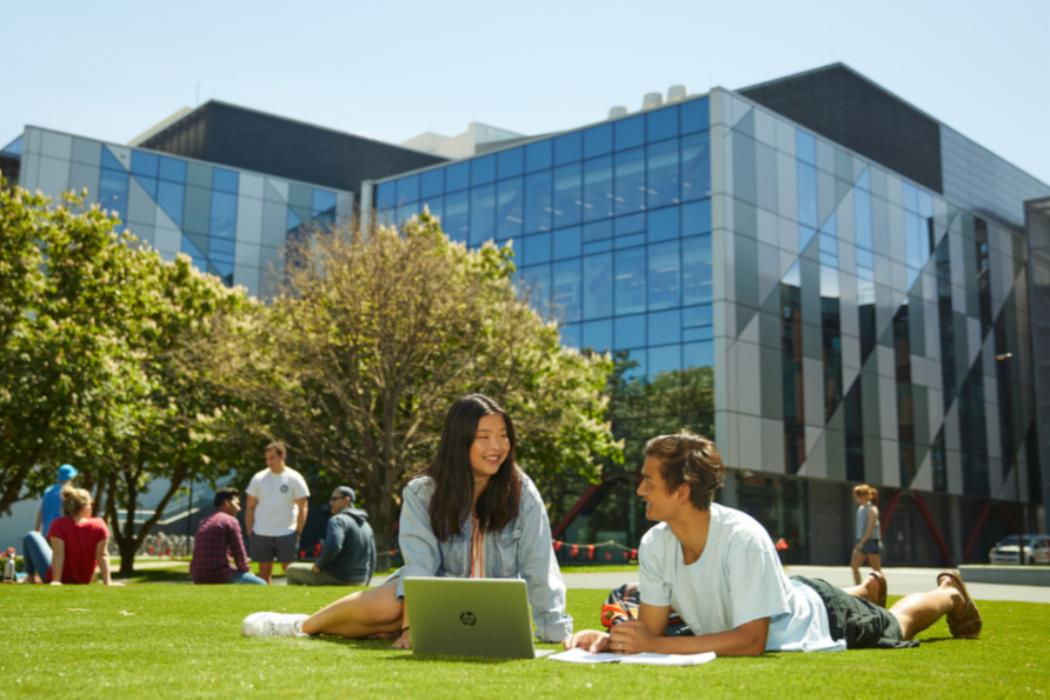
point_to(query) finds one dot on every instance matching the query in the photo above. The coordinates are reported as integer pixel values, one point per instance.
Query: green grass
(162, 640)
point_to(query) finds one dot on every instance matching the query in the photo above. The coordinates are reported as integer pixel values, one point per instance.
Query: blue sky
(389, 70)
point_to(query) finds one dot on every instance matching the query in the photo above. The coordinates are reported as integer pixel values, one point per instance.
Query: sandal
(964, 623)
(881, 587)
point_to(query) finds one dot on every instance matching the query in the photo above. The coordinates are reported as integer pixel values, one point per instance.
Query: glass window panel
(862, 218)
(629, 132)
(635, 364)
(597, 141)
(597, 231)
(190, 248)
(568, 148)
(597, 285)
(695, 115)
(406, 212)
(457, 220)
(597, 335)
(224, 180)
(172, 169)
(665, 327)
(625, 225)
(661, 124)
(386, 195)
(407, 190)
(699, 354)
(566, 289)
(696, 270)
(696, 166)
(662, 174)
(535, 282)
(113, 191)
(597, 246)
(110, 162)
(663, 224)
(568, 195)
(291, 220)
(567, 242)
(322, 201)
(664, 270)
(482, 170)
(538, 201)
(630, 181)
(629, 241)
(570, 335)
(223, 214)
(436, 205)
(148, 183)
(511, 162)
(457, 176)
(805, 147)
(630, 281)
(170, 197)
(143, 163)
(698, 333)
(538, 155)
(221, 247)
(807, 194)
(482, 214)
(697, 316)
(909, 196)
(509, 199)
(629, 331)
(664, 359)
(597, 188)
(696, 217)
(432, 183)
(537, 249)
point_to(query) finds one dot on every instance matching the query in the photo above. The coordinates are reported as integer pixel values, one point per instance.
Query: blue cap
(66, 472)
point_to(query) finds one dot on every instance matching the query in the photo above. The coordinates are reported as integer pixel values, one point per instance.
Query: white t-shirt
(276, 511)
(737, 579)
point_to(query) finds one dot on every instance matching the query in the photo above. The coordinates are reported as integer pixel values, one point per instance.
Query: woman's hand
(405, 640)
(591, 640)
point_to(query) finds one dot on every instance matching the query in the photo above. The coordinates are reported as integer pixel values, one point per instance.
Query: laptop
(470, 617)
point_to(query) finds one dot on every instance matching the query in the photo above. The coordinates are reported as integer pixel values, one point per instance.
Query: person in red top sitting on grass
(78, 542)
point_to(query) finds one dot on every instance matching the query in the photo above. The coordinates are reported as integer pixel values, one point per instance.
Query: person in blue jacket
(472, 513)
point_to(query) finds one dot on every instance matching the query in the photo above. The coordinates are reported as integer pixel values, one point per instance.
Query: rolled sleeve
(419, 547)
(539, 568)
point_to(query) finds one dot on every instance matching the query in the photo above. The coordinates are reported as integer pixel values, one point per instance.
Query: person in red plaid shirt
(218, 539)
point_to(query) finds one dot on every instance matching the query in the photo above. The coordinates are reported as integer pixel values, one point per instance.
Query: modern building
(854, 274)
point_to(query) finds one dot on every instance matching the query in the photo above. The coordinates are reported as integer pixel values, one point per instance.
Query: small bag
(622, 605)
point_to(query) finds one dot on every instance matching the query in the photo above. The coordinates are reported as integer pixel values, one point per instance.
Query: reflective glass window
(432, 183)
(223, 214)
(511, 162)
(805, 147)
(566, 290)
(662, 174)
(407, 190)
(629, 241)
(630, 285)
(626, 225)
(113, 191)
(693, 316)
(862, 218)
(436, 206)
(696, 270)
(537, 249)
(292, 221)
(143, 163)
(406, 212)
(224, 180)
(170, 197)
(457, 176)
(661, 124)
(568, 195)
(567, 242)
(664, 288)
(457, 221)
(386, 194)
(568, 148)
(629, 132)
(635, 364)
(147, 183)
(597, 285)
(667, 358)
(482, 214)
(597, 188)
(630, 181)
(807, 194)
(629, 331)
(535, 281)
(538, 201)
(909, 196)
(695, 115)
(221, 248)
(110, 162)
(597, 246)
(597, 231)
(509, 198)
(663, 224)
(538, 155)
(696, 217)
(805, 235)
(482, 170)
(597, 141)
(699, 354)
(665, 327)
(322, 200)
(570, 335)
(190, 248)
(696, 166)
(172, 169)
(597, 335)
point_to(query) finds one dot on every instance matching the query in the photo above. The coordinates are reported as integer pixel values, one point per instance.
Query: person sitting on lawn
(473, 513)
(719, 570)
(218, 540)
(348, 556)
(77, 544)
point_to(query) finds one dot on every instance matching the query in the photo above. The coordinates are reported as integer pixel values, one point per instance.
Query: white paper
(581, 656)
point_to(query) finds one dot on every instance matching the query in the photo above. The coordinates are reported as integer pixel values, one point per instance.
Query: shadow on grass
(406, 655)
(159, 576)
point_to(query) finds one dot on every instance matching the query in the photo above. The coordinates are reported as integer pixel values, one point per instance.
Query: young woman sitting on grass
(473, 513)
(78, 544)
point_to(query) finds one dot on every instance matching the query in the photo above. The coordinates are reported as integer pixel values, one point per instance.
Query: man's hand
(591, 640)
(631, 638)
(405, 640)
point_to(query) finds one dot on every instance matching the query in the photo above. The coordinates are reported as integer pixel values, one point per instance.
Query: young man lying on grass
(718, 569)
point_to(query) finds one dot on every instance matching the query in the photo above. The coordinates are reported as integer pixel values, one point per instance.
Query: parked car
(1036, 550)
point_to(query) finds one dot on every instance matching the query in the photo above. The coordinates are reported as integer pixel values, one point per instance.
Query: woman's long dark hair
(454, 478)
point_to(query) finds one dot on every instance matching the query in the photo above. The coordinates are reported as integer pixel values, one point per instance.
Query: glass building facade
(233, 223)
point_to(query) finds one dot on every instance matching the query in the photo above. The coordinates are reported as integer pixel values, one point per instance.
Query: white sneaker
(271, 624)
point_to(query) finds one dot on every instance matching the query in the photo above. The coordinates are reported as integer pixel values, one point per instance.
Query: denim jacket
(520, 550)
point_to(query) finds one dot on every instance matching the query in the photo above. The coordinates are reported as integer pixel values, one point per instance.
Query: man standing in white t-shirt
(718, 569)
(276, 512)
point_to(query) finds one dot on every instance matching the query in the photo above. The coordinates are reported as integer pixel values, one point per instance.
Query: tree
(378, 333)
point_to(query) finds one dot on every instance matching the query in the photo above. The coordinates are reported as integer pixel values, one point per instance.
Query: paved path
(901, 580)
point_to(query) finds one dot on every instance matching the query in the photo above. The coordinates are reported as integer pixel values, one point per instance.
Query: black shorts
(860, 622)
(267, 549)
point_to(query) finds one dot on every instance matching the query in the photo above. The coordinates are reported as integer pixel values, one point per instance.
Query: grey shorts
(267, 549)
(871, 547)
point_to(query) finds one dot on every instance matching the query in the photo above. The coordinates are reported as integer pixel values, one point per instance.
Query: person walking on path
(218, 540)
(276, 513)
(348, 556)
(866, 531)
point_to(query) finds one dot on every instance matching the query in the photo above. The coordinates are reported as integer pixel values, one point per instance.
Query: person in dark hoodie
(348, 556)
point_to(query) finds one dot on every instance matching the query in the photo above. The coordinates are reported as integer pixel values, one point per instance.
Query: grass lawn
(165, 640)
